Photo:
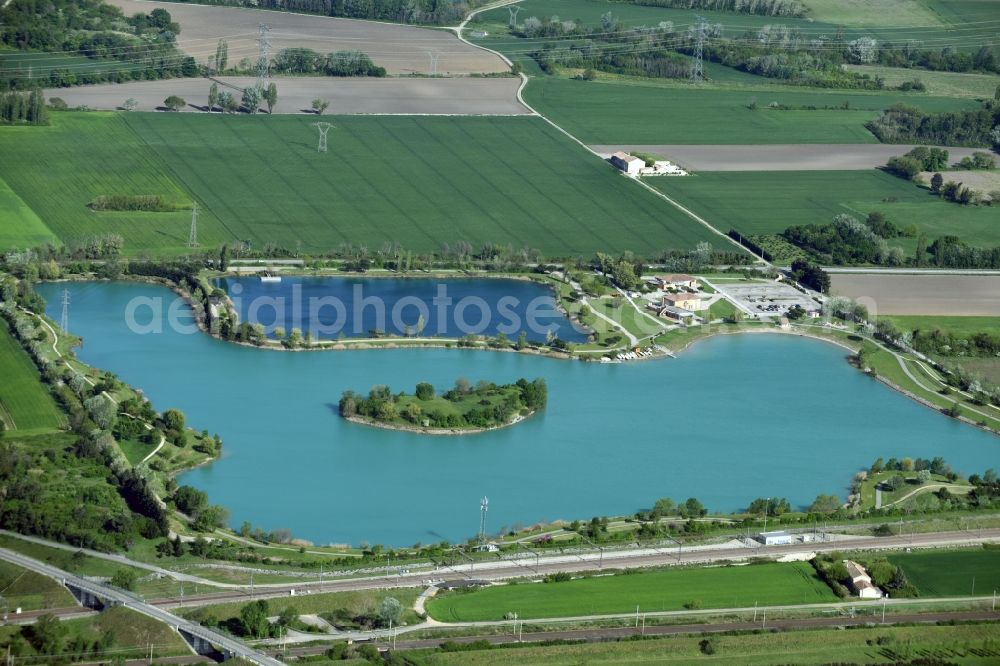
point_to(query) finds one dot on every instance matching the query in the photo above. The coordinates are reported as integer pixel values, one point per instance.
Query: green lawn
(950, 573)
(888, 13)
(671, 589)
(420, 181)
(19, 226)
(28, 590)
(25, 404)
(765, 202)
(651, 112)
(135, 451)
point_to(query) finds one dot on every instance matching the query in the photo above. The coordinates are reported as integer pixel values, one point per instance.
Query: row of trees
(436, 12)
(18, 108)
(970, 127)
(847, 240)
(140, 47)
(301, 60)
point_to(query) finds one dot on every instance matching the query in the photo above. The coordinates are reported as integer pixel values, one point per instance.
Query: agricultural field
(924, 295)
(419, 181)
(401, 49)
(962, 326)
(887, 20)
(25, 404)
(672, 589)
(886, 13)
(749, 202)
(631, 111)
(29, 591)
(948, 84)
(41, 161)
(951, 573)
(964, 644)
(21, 228)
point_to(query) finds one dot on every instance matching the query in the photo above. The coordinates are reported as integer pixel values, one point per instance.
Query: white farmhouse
(861, 582)
(630, 164)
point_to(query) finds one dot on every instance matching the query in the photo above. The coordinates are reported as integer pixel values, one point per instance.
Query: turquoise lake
(731, 419)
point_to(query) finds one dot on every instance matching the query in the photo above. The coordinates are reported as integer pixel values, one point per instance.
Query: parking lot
(771, 299)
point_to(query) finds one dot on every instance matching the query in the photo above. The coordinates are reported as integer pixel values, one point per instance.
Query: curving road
(221, 641)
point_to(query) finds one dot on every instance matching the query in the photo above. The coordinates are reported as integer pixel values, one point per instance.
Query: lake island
(462, 409)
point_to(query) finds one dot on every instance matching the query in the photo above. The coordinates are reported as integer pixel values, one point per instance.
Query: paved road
(504, 569)
(223, 642)
(778, 157)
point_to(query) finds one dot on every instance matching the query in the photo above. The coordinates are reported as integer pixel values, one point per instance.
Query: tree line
(435, 12)
(136, 48)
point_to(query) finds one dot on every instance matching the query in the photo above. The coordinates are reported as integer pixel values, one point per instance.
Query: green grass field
(35, 64)
(964, 644)
(642, 111)
(28, 590)
(25, 404)
(58, 170)
(950, 573)
(419, 181)
(948, 84)
(956, 325)
(769, 202)
(708, 587)
(19, 226)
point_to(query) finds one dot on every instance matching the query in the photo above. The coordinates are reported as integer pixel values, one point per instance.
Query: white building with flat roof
(630, 164)
(778, 538)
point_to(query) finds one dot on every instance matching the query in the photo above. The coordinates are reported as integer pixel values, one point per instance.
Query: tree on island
(425, 391)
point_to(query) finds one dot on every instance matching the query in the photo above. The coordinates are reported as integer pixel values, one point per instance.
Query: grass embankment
(118, 633)
(26, 407)
(911, 488)
(966, 644)
(29, 591)
(348, 603)
(747, 201)
(665, 590)
(951, 573)
(988, 367)
(887, 366)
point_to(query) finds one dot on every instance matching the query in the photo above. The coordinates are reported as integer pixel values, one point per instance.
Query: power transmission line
(64, 319)
(193, 235)
(698, 66)
(263, 60)
(513, 9)
(323, 128)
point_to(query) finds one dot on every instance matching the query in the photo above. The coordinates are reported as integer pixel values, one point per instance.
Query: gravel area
(955, 295)
(458, 96)
(778, 157)
(401, 49)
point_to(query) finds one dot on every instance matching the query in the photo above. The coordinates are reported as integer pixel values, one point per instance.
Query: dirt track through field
(900, 294)
(458, 96)
(777, 157)
(401, 49)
